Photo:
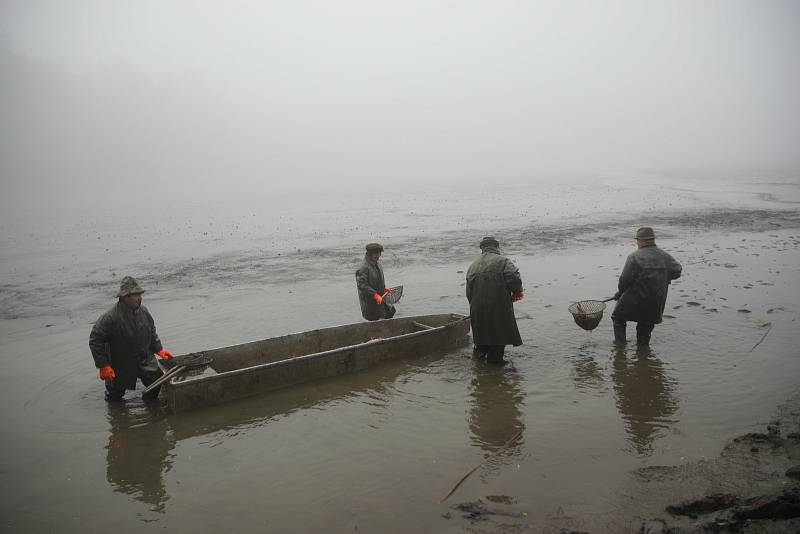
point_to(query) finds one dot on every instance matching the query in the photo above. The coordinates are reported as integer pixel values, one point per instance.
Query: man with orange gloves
(493, 285)
(123, 343)
(372, 287)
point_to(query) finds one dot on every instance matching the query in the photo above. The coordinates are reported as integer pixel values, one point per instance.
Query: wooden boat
(262, 366)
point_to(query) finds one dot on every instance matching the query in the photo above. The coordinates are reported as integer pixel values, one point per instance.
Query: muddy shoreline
(751, 487)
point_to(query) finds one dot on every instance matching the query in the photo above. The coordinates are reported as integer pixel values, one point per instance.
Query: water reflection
(495, 410)
(139, 453)
(586, 372)
(645, 396)
(241, 415)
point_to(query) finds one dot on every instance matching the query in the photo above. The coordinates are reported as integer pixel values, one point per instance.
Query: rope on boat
(495, 453)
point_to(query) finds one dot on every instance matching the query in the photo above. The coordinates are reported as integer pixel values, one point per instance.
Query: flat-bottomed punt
(261, 366)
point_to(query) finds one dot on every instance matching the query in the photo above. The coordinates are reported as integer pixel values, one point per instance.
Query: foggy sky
(169, 97)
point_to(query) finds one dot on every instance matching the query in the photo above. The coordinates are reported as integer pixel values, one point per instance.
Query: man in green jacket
(643, 287)
(493, 285)
(372, 286)
(123, 342)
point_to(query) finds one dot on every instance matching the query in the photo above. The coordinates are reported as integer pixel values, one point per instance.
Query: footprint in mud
(693, 303)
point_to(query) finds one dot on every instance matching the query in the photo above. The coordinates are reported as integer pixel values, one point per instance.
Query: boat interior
(311, 342)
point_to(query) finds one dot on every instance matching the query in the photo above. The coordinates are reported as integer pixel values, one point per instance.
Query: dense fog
(99, 99)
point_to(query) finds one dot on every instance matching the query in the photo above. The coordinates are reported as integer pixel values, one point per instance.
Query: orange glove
(378, 298)
(517, 296)
(387, 291)
(107, 373)
(165, 354)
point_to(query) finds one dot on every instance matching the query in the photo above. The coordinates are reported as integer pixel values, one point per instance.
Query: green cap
(129, 286)
(372, 248)
(645, 233)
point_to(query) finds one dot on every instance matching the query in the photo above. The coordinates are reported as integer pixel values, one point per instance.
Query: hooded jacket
(126, 340)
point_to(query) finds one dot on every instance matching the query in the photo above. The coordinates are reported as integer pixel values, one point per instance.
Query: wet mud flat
(608, 438)
(752, 487)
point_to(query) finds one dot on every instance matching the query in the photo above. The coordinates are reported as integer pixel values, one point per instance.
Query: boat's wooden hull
(262, 366)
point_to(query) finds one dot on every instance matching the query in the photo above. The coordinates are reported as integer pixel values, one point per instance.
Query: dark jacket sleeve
(155, 342)
(100, 340)
(512, 277)
(628, 276)
(362, 281)
(675, 269)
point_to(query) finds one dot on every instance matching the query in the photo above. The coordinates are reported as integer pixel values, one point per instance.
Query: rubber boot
(643, 331)
(114, 394)
(619, 332)
(495, 354)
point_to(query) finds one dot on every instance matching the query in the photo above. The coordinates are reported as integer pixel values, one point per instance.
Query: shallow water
(376, 451)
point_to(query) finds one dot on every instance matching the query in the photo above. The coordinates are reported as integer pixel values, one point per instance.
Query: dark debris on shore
(768, 460)
(752, 487)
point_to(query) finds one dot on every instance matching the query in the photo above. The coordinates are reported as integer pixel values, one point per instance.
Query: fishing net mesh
(587, 313)
(394, 296)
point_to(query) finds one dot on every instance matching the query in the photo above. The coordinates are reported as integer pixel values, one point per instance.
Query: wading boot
(112, 395)
(495, 354)
(619, 333)
(643, 332)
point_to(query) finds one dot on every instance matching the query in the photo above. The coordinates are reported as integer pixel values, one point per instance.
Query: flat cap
(372, 248)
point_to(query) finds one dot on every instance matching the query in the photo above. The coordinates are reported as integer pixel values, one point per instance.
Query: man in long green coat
(643, 287)
(372, 286)
(493, 285)
(123, 342)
